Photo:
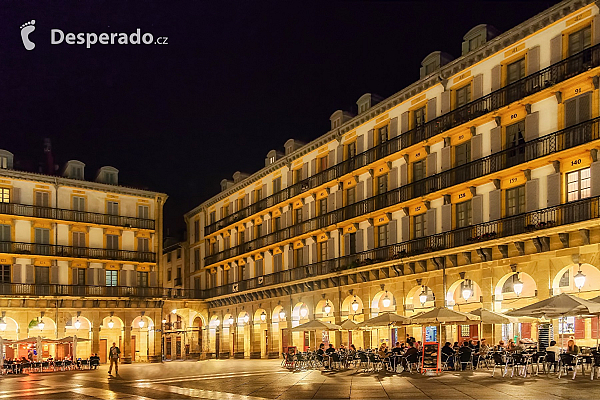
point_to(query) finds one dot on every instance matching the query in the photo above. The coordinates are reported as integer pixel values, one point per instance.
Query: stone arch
(377, 302)
(11, 331)
(503, 289)
(300, 312)
(562, 285)
(319, 308)
(48, 330)
(347, 305)
(117, 322)
(243, 318)
(258, 316)
(275, 315)
(147, 322)
(215, 321)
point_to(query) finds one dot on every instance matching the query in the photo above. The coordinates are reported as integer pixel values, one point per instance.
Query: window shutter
(405, 229)
(556, 49)
(330, 248)
(264, 191)
(430, 222)
(369, 187)
(313, 167)
(370, 136)
(446, 158)
(339, 153)
(305, 216)
(346, 244)
(446, 217)
(393, 127)
(496, 78)
(394, 178)
(313, 209)
(431, 109)
(532, 126)
(584, 109)
(16, 195)
(247, 200)
(331, 159)
(476, 144)
(331, 201)
(595, 179)
(29, 273)
(74, 278)
(477, 86)
(304, 171)
(404, 121)
(54, 274)
(314, 247)
(101, 277)
(446, 101)
(360, 144)
(403, 174)
(263, 227)
(431, 164)
(370, 238)
(360, 239)
(122, 277)
(360, 190)
(393, 232)
(596, 33)
(570, 112)
(290, 258)
(532, 201)
(553, 185)
(495, 204)
(152, 278)
(477, 209)
(17, 273)
(252, 197)
(288, 218)
(533, 60)
(339, 200)
(465, 47)
(496, 139)
(305, 255)
(90, 276)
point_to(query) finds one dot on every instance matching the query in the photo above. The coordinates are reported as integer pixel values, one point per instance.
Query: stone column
(95, 336)
(126, 353)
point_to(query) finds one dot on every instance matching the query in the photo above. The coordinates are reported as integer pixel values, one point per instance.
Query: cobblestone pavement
(265, 379)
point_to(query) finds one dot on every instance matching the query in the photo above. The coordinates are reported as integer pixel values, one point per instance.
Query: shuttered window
(276, 185)
(78, 239)
(351, 196)
(276, 224)
(463, 214)
(462, 96)
(515, 200)
(462, 153)
(78, 203)
(352, 243)
(4, 195)
(298, 261)
(42, 275)
(515, 71)
(278, 262)
(382, 239)
(42, 199)
(419, 170)
(322, 163)
(80, 273)
(298, 215)
(5, 238)
(42, 236)
(351, 150)
(323, 251)
(112, 208)
(259, 267)
(578, 109)
(196, 259)
(4, 273)
(578, 184)
(382, 183)
(322, 206)
(112, 242)
(383, 134)
(212, 217)
(515, 134)
(112, 278)
(142, 279)
(143, 212)
(580, 40)
(419, 117)
(144, 245)
(418, 226)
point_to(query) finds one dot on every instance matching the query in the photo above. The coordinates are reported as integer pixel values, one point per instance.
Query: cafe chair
(538, 358)
(565, 362)
(595, 364)
(412, 361)
(519, 361)
(501, 362)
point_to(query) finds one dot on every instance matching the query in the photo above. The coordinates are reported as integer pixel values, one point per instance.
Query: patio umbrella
(349, 325)
(317, 325)
(386, 319)
(563, 305)
(443, 315)
(491, 317)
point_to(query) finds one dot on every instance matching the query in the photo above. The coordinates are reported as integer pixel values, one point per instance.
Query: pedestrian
(114, 354)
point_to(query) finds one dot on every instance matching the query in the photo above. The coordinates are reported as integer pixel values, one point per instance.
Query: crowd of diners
(29, 364)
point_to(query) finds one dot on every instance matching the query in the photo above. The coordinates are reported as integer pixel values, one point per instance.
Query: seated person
(94, 361)
(516, 348)
(448, 355)
(382, 352)
(330, 350)
(464, 354)
(501, 346)
(572, 348)
(411, 351)
(483, 347)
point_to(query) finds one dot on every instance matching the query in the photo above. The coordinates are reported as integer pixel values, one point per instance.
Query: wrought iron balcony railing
(25, 210)
(27, 289)
(567, 138)
(535, 221)
(536, 82)
(77, 252)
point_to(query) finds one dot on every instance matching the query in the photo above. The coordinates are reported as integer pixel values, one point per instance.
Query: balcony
(534, 83)
(24, 210)
(25, 289)
(571, 137)
(535, 221)
(77, 252)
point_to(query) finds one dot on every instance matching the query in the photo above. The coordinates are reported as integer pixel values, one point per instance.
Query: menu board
(431, 353)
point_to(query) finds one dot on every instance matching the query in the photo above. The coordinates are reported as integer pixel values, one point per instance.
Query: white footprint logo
(26, 29)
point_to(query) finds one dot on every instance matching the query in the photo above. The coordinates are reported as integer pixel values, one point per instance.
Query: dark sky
(235, 80)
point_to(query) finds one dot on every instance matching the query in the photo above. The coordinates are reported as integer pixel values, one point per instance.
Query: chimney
(49, 159)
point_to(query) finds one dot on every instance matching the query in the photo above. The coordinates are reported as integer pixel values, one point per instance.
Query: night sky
(235, 80)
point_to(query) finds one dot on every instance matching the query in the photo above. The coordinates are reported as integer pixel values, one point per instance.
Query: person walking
(114, 354)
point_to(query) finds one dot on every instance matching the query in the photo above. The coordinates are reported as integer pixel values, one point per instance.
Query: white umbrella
(317, 325)
(385, 319)
(491, 317)
(443, 315)
(349, 325)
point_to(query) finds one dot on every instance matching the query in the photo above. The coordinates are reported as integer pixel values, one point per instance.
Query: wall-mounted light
(517, 285)
(355, 305)
(467, 291)
(386, 300)
(263, 316)
(110, 324)
(141, 323)
(281, 315)
(246, 318)
(579, 279)
(423, 296)
(327, 307)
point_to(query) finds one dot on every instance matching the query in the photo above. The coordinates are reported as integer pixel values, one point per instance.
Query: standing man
(113, 355)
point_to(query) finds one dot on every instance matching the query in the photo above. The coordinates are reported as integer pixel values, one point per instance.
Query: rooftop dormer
(477, 37)
(108, 175)
(292, 145)
(272, 156)
(226, 184)
(74, 169)
(367, 101)
(239, 176)
(6, 159)
(339, 117)
(433, 62)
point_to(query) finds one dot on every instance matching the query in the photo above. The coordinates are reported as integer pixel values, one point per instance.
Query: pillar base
(126, 360)
(255, 355)
(238, 354)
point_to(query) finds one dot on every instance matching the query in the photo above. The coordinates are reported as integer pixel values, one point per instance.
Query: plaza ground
(265, 379)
